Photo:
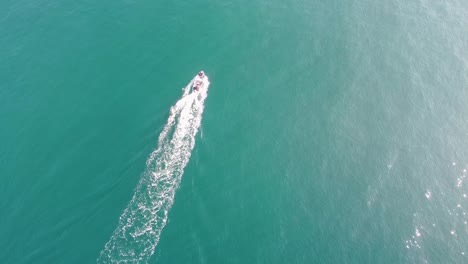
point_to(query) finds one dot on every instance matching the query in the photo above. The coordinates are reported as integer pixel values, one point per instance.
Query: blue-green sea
(329, 131)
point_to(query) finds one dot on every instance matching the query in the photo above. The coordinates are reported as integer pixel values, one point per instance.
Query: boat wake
(140, 225)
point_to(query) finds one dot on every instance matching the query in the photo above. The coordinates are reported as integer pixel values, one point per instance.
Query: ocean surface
(331, 132)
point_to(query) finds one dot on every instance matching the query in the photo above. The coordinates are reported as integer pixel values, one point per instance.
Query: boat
(198, 81)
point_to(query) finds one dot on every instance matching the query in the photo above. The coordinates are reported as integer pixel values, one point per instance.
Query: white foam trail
(140, 225)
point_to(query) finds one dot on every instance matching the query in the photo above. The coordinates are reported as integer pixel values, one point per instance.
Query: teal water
(333, 131)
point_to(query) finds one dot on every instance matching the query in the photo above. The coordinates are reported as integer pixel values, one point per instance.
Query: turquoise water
(332, 132)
